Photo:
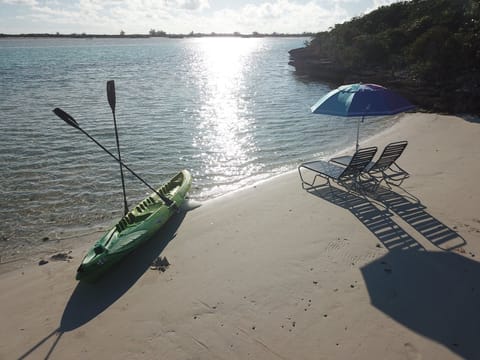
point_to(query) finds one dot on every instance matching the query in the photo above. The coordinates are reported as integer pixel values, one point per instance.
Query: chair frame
(348, 176)
(385, 168)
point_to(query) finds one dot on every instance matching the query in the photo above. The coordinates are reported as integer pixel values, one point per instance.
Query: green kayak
(137, 226)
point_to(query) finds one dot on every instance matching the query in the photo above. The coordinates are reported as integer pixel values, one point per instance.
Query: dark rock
(61, 257)
(160, 264)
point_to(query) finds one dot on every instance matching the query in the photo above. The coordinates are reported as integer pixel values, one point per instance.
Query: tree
(161, 33)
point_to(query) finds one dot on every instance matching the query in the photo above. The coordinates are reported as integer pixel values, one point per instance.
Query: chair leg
(397, 177)
(309, 185)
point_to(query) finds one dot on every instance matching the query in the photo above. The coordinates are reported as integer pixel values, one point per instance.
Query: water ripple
(229, 110)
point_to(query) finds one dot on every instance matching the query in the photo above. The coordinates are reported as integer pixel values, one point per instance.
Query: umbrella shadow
(471, 118)
(90, 300)
(436, 294)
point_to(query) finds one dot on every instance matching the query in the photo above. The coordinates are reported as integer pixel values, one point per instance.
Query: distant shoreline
(143, 36)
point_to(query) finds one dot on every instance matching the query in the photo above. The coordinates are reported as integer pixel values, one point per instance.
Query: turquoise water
(230, 110)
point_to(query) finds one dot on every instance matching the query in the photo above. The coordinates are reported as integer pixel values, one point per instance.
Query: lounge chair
(348, 176)
(385, 168)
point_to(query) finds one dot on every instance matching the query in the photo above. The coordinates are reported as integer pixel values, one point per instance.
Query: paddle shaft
(71, 121)
(163, 197)
(111, 100)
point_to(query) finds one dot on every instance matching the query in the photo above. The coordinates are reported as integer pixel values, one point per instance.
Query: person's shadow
(434, 293)
(89, 300)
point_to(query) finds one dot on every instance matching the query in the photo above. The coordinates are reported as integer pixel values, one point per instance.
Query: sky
(178, 16)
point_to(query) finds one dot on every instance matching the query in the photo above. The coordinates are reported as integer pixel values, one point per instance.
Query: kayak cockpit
(144, 209)
(131, 219)
(99, 249)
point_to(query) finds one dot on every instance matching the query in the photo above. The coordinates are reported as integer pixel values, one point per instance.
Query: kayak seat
(125, 221)
(119, 227)
(130, 218)
(122, 224)
(98, 249)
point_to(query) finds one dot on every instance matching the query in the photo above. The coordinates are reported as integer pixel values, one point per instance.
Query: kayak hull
(135, 228)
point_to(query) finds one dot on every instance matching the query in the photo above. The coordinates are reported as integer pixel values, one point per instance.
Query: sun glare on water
(223, 132)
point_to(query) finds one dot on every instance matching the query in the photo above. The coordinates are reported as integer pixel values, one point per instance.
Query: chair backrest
(359, 162)
(389, 155)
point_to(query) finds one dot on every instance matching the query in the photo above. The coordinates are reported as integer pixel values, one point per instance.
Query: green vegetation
(417, 46)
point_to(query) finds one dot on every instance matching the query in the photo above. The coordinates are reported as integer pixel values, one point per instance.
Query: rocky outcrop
(460, 94)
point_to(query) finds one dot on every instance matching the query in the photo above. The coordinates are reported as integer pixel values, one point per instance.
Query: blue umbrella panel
(360, 100)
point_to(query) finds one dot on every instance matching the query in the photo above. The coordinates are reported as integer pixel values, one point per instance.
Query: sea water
(230, 110)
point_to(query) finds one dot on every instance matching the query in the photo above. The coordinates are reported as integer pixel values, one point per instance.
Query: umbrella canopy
(361, 100)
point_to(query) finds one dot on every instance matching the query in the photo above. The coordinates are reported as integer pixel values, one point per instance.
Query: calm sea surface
(230, 110)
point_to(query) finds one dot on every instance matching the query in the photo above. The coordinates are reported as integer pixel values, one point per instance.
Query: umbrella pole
(358, 131)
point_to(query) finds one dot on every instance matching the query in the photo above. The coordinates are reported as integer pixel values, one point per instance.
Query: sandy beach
(277, 272)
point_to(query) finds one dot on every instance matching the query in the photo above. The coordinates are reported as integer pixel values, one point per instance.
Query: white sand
(276, 272)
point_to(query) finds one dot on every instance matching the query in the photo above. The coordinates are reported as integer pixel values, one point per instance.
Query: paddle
(72, 122)
(111, 100)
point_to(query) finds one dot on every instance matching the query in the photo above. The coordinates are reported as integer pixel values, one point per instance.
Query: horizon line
(160, 34)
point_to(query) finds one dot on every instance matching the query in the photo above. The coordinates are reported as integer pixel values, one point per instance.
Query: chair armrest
(341, 160)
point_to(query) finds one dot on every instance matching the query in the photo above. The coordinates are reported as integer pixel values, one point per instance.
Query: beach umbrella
(361, 100)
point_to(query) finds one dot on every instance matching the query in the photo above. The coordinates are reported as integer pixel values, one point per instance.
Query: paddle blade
(111, 93)
(66, 117)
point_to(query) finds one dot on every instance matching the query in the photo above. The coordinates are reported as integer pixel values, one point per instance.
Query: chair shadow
(89, 300)
(435, 294)
(415, 215)
(378, 221)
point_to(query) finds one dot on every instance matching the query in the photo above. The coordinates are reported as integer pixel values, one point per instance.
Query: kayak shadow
(89, 300)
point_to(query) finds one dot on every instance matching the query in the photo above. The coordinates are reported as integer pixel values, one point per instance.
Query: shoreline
(274, 271)
(68, 244)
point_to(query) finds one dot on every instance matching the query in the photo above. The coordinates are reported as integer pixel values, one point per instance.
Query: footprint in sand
(412, 352)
